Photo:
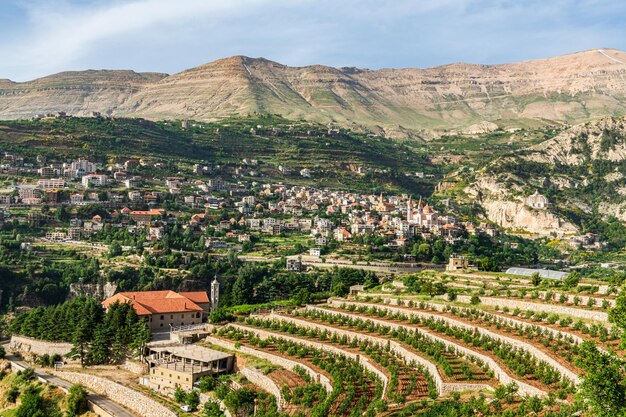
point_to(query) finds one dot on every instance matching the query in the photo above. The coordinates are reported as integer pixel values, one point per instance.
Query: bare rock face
(570, 88)
(586, 155)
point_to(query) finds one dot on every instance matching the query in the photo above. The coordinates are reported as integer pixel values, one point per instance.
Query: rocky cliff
(580, 172)
(570, 88)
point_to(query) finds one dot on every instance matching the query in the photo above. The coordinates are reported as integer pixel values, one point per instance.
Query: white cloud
(170, 35)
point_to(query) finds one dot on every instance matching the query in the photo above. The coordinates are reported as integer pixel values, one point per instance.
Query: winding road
(104, 403)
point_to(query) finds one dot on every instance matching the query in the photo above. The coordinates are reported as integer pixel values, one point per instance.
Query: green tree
(617, 314)
(604, 385)
(193, 400)
(76, 401)
(212, 409)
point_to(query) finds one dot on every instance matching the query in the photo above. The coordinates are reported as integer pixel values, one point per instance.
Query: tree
(451, 295)
(115, 249)
(617, 314)
(2, 352)
(76, 401)
(179, 395)
(475, 300)
(302, 297)
(604, 384)
(193, 400)
(212, 409)
(206, 384)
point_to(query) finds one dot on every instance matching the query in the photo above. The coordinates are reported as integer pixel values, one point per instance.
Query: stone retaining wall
(264, 334)
(548, 308)
(516, 343)
(27, 345)
(133, 400)
(409, 357)
(499, 373)
(511, 320)
(259, 379)
(274, 359)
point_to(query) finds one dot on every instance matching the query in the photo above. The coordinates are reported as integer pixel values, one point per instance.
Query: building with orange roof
(165, 309)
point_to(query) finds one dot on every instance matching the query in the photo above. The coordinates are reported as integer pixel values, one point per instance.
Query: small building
(355, 290)
(315, 252)
(173, 365)
(456, 263)
(537, 201)
(294, 264)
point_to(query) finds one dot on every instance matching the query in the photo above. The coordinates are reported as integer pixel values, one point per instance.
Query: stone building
(174, 365)
(537, 201)
(164, 310)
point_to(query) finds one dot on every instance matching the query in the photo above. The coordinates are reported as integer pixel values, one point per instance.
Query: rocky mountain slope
(397, 102)
(580, 172)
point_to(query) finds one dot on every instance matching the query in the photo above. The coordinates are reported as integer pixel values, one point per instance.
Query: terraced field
(401, 353)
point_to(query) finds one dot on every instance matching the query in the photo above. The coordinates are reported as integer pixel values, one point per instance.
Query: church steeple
(215, 293)
(420, 204)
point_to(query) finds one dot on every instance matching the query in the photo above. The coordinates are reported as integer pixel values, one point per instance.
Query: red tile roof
(156, 302)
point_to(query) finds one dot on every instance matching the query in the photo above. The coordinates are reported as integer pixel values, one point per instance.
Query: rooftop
(154, 302)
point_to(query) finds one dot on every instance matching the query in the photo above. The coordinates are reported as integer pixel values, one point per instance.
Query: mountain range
(395, 102)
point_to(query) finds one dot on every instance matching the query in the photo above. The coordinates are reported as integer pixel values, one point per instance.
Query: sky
(42, 37)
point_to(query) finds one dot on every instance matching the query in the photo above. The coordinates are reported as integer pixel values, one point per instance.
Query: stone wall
(135, 367)
(548, 308)
(518, 344)
(259, 379)
(133, 400)
(274, 359)
(499, 373)
(406, 355)
(264, 334)
(511, 320)
(28, 346)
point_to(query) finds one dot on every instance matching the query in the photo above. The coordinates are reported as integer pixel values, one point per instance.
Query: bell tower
(215, 294)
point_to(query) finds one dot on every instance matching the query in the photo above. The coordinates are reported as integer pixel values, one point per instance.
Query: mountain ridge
(569, 88)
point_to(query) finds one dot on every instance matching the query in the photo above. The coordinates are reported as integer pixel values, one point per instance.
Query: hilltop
(396, 102)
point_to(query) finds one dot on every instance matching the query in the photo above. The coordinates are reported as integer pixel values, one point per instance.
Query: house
(315, 252)
(294, 264)
(145, 216)
(355, 290)
(173, 365)
(165, 309)
(456, 263)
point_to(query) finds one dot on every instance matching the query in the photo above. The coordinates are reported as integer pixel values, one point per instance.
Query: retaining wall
(274, 359)
(259, 379)
(548, 308)
(264, 334)
(409, 357)
(499, 373)
(519, 344)
(138, 403)
(27, 345)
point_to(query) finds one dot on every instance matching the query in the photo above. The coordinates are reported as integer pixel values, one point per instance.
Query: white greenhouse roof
(543, 273)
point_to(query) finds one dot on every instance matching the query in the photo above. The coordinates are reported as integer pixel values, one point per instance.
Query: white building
(537, 201)
(95, 180)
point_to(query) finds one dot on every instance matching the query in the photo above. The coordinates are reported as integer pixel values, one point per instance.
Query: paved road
(107, 405)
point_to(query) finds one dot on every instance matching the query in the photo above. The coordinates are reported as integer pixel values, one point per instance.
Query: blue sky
(40, 37)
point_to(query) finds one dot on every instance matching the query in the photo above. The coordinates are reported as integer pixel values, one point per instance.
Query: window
(161, 324)
(171, 316)
(182, 316)
(162, 316)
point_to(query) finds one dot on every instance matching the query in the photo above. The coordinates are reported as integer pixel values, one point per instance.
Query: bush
(475, 300)
(193, 400)
(2, 352)
(206, 384)
(76, 401)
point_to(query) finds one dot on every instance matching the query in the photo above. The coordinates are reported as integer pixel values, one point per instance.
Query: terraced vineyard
(399, 353)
